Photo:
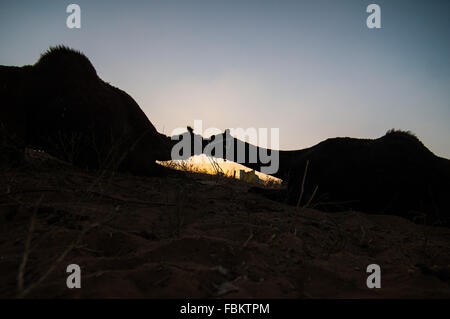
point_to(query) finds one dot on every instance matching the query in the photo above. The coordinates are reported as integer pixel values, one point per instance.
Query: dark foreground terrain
(196, 236)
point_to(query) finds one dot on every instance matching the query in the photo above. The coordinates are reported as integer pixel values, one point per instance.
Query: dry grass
(302, 189)
(103, 178)
(212, 166)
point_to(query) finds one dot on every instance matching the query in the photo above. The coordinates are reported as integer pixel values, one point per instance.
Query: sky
(310, 68)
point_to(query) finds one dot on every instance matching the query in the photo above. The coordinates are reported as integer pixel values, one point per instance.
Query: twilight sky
(311, 68)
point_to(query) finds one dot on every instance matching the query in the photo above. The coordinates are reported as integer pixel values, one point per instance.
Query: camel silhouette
(61, 106)
(394, 174)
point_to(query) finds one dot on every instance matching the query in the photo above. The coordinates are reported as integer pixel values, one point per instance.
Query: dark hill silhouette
(61, 106)
(394, 174)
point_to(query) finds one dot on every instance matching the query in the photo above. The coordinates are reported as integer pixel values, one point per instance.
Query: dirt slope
(194, 236)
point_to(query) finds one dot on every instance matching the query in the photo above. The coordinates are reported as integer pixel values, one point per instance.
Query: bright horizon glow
(201, 163)
(310, 68)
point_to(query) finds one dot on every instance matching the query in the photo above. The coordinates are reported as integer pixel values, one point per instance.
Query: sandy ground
(196, 236)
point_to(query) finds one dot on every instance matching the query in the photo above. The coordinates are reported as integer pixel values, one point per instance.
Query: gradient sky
(311, 68)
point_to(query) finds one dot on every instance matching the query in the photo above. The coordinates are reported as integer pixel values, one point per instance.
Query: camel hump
(61, 61)
(406, 140)
(400, 134)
